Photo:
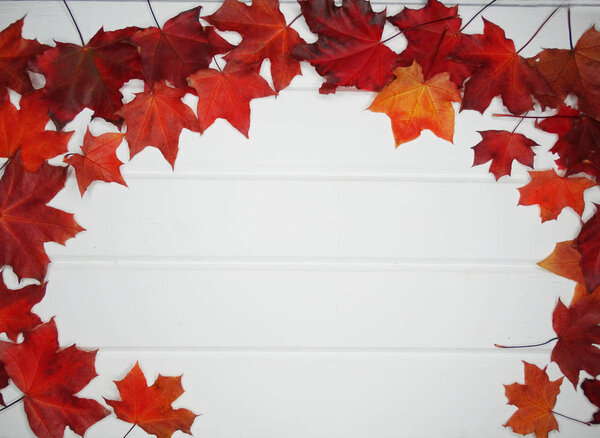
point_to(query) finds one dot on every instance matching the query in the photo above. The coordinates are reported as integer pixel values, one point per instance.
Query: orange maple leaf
(564, 261)
(415, 104)
(553, 193)
(149, 407)
(534, 401)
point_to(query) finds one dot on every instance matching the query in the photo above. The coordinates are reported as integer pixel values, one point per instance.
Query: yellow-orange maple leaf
(414, 104)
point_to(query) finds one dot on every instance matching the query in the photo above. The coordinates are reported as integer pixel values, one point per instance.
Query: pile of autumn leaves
(416, 89)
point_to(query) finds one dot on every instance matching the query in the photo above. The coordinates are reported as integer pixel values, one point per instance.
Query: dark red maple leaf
(150, 406)
(588, 245)
(49, 377)
(24, 130)
(15, 309)
(26, 222)
(265, 35)
(227, 94)
(182, 47)
(500, 71)
(156, 118)
(574, 71)
(89, 76)
(578, 333)
(578, 143)
(503, 147)
(99, 161)
(432, 33)
(349, 51)
(591, 389)
(15, 54)
(553, 193)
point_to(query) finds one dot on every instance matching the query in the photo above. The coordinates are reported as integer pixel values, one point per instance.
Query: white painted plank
(257, 395)
(313, 219)
(239, 308)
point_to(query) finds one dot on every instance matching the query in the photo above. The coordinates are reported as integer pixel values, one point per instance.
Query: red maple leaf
(349, 51)
(265, 35)
(182, 47)
(578, 143)
(49, 377)
(15, 309)
(503, 147)
(3, 381)
(15, 54)
(26, 222)
(99, 161)
(500, 71)
(534, 401)
(227, 94)
(149, 407)
(432, 33)
(575, 71)
(577, 330)
(24, 130)
(591, 389)
(156, 118)
(90, 76)
(553, 193)
(588, 245)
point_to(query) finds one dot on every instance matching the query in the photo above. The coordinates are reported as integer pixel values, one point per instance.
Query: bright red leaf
(227, 94)
(99, 161)
(265, 35)
(500, 71)
(591, 389)
(24, 130)
(182, 47)
(534, 401)
(49, 377)
(577, 330)
(503, 147)
(553, 193)
(90, 76)
(432, 33)
(15, 309)
(26, 222)
(414, 104)
(3, 382)
(349, 51)
(15, 54)
(588, 245)
(149, 407)
(156, 118)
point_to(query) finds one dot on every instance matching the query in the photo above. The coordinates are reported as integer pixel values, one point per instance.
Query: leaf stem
(570, 31)
(12, 403)
(129, 431)
(526, 346)
(152, 12)
(571, 418)
(292, 22)
(539, 28)
(520, 121)
(74, 22)
(217, 64)
(556, 116)
(477, 14)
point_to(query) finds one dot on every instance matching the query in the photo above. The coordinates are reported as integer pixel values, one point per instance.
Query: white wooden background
(312, 282)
